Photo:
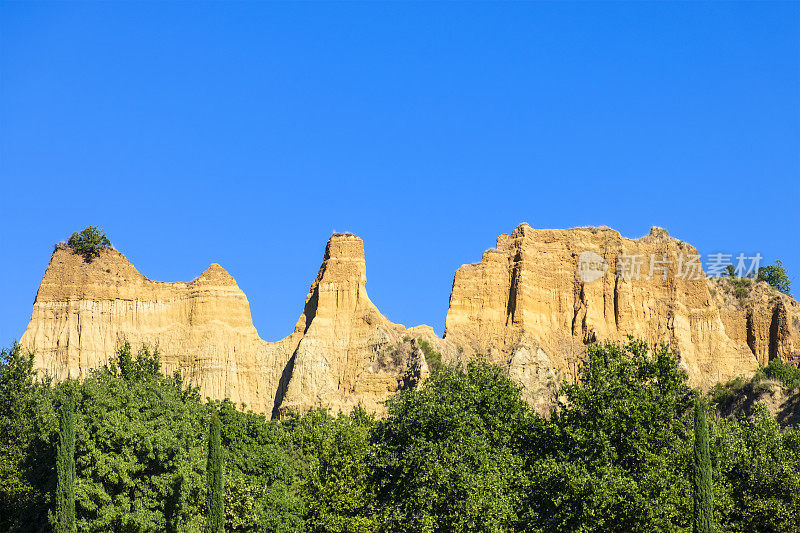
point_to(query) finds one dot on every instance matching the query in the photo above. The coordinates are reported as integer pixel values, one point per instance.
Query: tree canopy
(775, 275)
(89, 242)
(463, 452)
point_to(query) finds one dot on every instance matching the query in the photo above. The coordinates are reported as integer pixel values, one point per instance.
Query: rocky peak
(215, 275)
(527, 306)
(340, 285)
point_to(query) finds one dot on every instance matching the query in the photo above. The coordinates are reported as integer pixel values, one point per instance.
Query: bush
(741, 287)
(775, 276)
(432, 357)
(448, 456)
(788, 375)
(89, 242)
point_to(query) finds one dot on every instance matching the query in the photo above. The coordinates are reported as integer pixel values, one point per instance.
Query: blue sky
(245, 133)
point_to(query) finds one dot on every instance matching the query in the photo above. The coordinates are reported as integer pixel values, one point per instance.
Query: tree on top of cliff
(89, 242)
(776, 276)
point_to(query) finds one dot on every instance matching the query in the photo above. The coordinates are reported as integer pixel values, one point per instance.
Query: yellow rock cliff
(530, 305)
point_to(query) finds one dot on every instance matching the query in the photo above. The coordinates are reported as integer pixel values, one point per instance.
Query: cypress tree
(65, 469)
(215, 483)
(703, 519)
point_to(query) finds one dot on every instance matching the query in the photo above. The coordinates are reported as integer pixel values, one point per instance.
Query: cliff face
(83, 311)
(767, 321)
(530, 305)
(535, 300)
(342, 351)
(348, 351)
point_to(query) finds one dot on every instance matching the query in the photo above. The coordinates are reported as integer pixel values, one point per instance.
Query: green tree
(757, 485)
(140, 449)
(27, 455)
(703, 490)
(788, 375)
(65, 466)
(336, 485)
(619, 457)
(775, 275)
(449, 456)
(432, 357)
(140, 452)
(261, 477)
(89, 242)
(215, 482)
(730, 271)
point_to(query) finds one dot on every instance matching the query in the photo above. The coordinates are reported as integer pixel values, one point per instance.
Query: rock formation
(348, 352)
(530, 305)
(342, 351)
(764, 319)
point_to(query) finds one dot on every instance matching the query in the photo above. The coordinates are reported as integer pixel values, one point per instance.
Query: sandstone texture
(530, 306)
(527, 306)
(341, 353)
(765, 319)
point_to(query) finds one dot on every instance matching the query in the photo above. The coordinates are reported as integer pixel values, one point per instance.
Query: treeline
(463, 453)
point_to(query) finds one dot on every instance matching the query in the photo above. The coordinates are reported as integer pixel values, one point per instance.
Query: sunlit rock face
(530, 305)
(342, 352)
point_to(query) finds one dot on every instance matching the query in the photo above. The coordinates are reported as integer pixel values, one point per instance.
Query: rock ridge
(530, 305)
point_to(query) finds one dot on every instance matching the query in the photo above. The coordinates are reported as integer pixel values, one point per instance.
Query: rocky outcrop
(761, 317)
(84, 311)
(342, 351)
(530, 305)
(535, 300)
(348, 352)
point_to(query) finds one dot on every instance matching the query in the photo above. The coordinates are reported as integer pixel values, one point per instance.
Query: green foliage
(215, 480)
(741, 287)
(65, 467)
(787, 375)
(145, 365)
(336, 487)
(620, 457)
(139, 452)
(757, 474)
(432, 357)
(27, 473)
(89, 242)
(462, 453)
(775, 275)
(739, 396)
(448, 456)
(723, 394)
(260, 476)
(702, 486)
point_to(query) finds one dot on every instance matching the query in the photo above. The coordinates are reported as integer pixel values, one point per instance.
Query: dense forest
(464, 452)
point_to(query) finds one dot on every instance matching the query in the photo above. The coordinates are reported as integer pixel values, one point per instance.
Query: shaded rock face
(528, 306)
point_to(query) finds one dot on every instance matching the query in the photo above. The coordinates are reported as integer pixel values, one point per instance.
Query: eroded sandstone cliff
(342, 351)
(528, 306)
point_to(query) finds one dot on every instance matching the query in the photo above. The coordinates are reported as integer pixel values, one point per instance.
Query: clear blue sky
(245, 133)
